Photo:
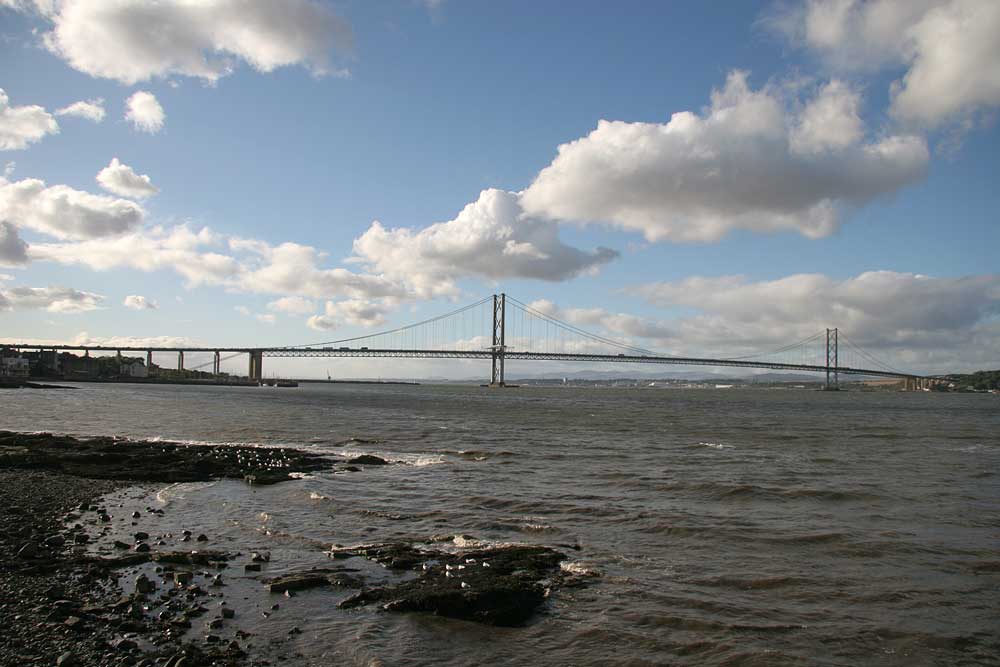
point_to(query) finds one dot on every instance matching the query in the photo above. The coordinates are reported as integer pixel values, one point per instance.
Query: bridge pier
(149, 360)
(215, 363)
(180, 360)
(255, 371)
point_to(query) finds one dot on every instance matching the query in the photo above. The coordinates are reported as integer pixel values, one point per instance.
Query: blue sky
(856, 198)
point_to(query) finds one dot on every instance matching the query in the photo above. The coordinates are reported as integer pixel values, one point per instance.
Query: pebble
(67, 659)
(29, 550)
(55, 541)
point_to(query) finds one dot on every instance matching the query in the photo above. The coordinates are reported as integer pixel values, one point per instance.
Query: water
(729, 527)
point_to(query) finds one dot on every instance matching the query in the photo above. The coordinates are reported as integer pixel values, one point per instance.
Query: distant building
(134, 369)
(15, 366)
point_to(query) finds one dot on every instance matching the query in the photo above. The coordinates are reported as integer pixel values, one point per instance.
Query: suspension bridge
(499, 328)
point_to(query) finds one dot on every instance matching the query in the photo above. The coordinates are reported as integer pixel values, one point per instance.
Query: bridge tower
(499, 320)
(832, 359)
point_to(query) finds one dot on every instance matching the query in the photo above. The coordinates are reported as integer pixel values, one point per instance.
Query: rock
(215, 623)
(213, 639)
(144, 585)
(259, 558)
(136, 515)
(217, 581)
(298, 582)
(368, 460)
(183, 578)
(121, 545)
(505, 594)
(29, 550)
(252, 567)
(142, 548)
(74, 623)
(227, 612)
(81, 538)
(67, 659)
(295, 631)
(141, 535)
(124, 644)
(55, 541)
(202, 538)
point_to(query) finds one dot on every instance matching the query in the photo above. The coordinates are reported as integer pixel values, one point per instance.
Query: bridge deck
(286, 352)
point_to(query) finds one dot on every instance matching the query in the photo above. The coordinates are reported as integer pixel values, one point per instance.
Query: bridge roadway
(484, 354)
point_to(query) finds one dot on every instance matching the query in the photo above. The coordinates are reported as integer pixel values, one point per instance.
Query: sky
(691, 178)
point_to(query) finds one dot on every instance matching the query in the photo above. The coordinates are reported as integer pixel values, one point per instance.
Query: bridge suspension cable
(868, 357)
(397, 330)
(569, 328)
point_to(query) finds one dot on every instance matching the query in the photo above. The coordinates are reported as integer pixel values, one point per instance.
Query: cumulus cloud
(143, 110)
(65, 213)
(120, 179)
(293, 305)
(948, 49)
(490, 238)
(753, 160)
(52, 299)
(13, 250)
(355, 312)
(92, 110)
(134, 40)
(22, 126)
(137, 302)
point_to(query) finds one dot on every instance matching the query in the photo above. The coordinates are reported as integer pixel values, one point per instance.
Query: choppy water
(730, 527)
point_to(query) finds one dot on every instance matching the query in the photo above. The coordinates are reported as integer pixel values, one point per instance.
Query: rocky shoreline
(62, 603)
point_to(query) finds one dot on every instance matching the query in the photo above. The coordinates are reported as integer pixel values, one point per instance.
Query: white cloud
(65, 213)
(137, 302)
(143, 110)
(92, 110)
(120, 179)
(52, 299)
(293, 305)
(201, 258)
(266, 318)
(135, 40)
(754, 160)
(356, 312)
(13, 250)
(948, 48)
(21, 126)
(490, 238)
(242, 310)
